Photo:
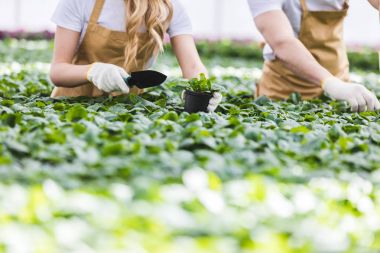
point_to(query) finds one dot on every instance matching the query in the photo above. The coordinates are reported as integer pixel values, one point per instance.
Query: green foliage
(76, 113)
(201, 84)
(365, 60)
(137, 174)
(362, 60)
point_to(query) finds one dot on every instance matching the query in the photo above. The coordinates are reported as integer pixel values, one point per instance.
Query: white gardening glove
(108, 77)
(358, 96)
(214, 102)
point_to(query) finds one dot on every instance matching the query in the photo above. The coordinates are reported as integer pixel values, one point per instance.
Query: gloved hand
(358, 96)
(108, 77)
(214, 102)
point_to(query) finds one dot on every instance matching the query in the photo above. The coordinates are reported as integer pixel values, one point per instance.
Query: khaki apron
(322, 34)
(99, 45)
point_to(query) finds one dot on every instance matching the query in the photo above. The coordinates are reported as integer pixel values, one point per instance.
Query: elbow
(55, 80)
(282, 46)
(54, 76)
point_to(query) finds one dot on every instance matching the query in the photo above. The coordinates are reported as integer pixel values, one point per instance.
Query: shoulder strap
(96, 11)
(304, 6)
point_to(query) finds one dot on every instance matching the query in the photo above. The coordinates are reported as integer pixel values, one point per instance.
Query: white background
(211, 18)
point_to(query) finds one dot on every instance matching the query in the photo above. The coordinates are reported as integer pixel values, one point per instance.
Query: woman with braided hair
(98, 42)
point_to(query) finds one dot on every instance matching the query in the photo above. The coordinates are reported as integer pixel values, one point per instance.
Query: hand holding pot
(201, 102)
(358, 96)
(214, 101)
(108, 77)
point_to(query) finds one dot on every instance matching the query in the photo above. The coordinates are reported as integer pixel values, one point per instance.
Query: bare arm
(187, 56)
(63, 73)
(375, 4)
(278, 33)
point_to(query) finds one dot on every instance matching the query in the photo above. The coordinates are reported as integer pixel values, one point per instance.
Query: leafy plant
(137, 174)
(201, 84)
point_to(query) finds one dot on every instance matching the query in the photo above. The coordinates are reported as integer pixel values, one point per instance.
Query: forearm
(293, 54)
(194, 71)
(375, 4)
(68, 75)
(278, 33)
(188, 57)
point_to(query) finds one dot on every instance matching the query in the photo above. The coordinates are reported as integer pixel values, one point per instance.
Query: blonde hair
(147, 23)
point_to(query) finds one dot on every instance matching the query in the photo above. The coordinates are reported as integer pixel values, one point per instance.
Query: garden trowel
(145, 79)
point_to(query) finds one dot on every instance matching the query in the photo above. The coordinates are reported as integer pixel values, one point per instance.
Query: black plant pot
(197, 101)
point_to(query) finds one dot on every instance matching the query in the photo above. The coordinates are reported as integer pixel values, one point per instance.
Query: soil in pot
(197, 101)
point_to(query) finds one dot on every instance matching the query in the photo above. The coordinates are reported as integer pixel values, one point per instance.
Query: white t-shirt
(75, 15)
(293, 11)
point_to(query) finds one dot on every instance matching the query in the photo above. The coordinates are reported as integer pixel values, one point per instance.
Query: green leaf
(201, 84)
(17, 147)
(76, 113)
(112, 149)
(59, 106)
(172, 116)
(300, 130)
(11, 119)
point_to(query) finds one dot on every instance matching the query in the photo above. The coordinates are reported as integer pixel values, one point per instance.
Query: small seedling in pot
(200, 96)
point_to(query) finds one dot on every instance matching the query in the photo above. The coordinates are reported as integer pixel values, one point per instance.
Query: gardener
(98, 42)
(305, 51)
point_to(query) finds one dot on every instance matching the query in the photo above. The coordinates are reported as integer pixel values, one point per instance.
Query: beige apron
(99, 45)
(322, 34)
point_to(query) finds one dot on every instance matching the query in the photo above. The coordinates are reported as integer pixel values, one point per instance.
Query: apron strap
(96, 11)
(304, 6)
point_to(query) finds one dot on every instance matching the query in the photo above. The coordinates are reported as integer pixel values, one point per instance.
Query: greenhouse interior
(189, 126)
